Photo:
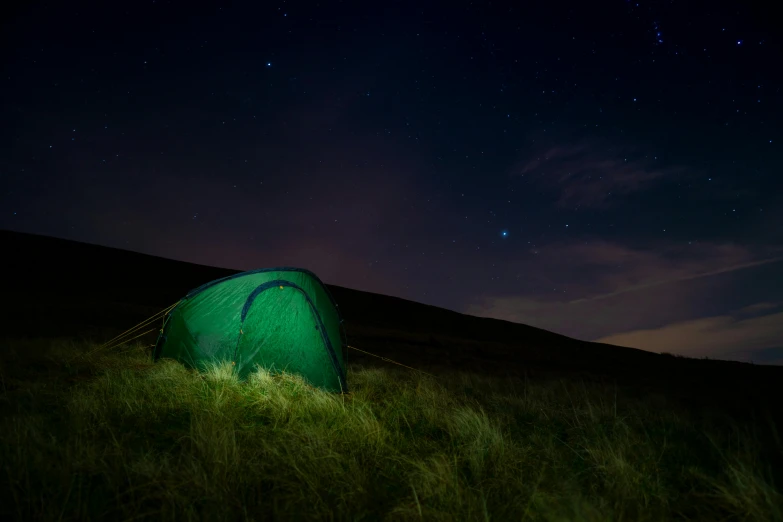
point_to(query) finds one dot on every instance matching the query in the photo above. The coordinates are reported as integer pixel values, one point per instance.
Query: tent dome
(281, 319)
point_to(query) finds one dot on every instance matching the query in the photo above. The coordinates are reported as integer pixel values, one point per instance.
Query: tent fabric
(282, 319)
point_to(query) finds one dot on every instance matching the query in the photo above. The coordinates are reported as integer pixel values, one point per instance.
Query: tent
(282, 319)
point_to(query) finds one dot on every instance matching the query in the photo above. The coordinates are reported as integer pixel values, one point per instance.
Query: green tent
(282, 319)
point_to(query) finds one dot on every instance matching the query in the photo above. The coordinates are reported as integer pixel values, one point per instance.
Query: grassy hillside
(111, 436)
(515, 424)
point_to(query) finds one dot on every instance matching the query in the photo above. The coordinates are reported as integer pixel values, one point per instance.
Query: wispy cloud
(644, 298)
(593, 270)
(681, 278)
(589, 174)
(718, 337)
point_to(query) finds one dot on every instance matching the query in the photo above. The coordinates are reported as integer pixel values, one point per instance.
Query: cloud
(592, 270)
(756, 308)
(589, 174)
(723, 337)
(597, 290)
(585, 320)
(684, 276)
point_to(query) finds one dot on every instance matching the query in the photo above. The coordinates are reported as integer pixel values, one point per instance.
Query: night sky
(607, 170)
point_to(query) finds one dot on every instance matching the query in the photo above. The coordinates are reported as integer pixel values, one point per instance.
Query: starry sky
(610, 171)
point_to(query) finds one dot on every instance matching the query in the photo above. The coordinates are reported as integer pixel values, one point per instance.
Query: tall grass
(115, 437)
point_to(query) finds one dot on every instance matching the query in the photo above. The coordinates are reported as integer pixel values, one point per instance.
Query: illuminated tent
(282, 319)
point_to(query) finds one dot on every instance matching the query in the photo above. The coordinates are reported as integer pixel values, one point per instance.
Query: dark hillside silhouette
(56, 287)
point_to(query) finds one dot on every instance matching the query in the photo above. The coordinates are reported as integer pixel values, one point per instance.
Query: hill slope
(57, 287)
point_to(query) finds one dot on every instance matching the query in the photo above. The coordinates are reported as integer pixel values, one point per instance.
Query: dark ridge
(57, 287)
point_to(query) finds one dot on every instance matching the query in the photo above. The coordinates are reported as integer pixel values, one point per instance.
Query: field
(108, 435)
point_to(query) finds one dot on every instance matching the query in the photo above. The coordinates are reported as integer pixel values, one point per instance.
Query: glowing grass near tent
(114, 436)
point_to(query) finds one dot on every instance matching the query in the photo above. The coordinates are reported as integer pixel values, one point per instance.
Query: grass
(115, 437)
